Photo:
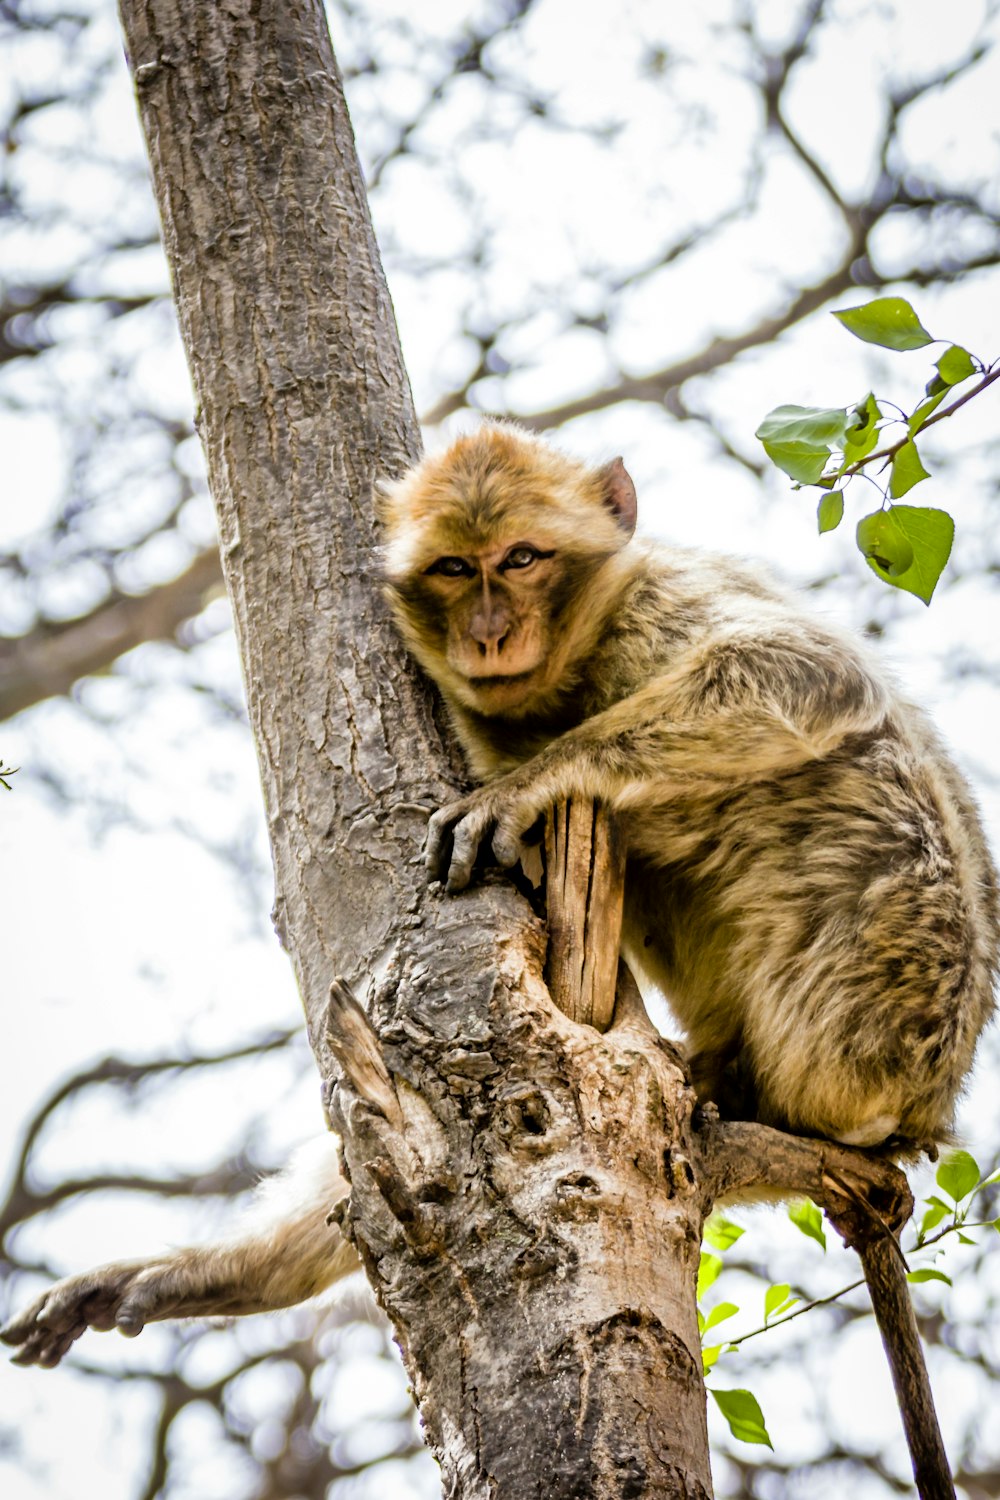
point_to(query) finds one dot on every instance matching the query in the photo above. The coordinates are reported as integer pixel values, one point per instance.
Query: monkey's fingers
(45, 1348)
(517, 830)
(437, 850)
(36, 1343)
(466, 838)
(110, 1297)
(453, 838)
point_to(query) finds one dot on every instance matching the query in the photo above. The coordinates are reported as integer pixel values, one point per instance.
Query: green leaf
(955, 364)
(798, 461)
(719, 1314)
(885, 545)
(932, 1219)
(830, 511)
(800, 439)
(709, 1268)
(867, 414)
(889, 321)
(907, 546)
(924, 410)
(964, 1239)
(996, 1225)
(709, 1357)
(777, 1299)
(721, 1233)
(958, 1175)
(862, 433)
(927, 1273)
(807, 1217)
(907, 470)
(817, 426)
(855, 452)
(745, 1418)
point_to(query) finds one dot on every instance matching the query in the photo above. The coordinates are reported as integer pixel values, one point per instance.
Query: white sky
(139, 939)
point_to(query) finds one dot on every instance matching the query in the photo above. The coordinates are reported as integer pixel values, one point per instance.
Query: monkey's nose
(491, 641)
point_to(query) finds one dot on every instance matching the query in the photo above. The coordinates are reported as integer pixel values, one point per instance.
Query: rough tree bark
(527, 1192)
(549, 1333)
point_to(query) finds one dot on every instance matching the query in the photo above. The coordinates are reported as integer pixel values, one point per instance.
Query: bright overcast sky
(138, 939)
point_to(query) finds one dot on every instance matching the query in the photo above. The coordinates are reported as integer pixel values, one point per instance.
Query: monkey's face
(480, 619)
(495, 552)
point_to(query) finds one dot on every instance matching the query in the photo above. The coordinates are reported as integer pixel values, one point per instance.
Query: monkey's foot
(125, 1295)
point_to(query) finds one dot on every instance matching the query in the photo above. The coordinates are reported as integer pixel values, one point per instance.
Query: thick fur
(808, 880)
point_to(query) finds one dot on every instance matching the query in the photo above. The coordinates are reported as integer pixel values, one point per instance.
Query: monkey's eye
(452, 567)
(519, 557)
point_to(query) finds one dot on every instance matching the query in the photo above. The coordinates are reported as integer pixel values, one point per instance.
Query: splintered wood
(584, 885)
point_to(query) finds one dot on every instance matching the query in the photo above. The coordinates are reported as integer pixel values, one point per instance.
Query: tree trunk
(522, 1191)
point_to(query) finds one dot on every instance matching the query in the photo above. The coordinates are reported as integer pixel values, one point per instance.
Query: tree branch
(51, 658)
(22, 1202)
(939, 416)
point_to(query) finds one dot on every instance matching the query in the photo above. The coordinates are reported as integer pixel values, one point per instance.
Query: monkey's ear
(619, 494)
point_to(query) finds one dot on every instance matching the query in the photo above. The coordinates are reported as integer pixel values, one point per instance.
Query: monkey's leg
(289, 1253)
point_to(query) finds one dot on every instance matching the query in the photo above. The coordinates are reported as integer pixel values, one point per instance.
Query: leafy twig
(906, 546)
(993, 373)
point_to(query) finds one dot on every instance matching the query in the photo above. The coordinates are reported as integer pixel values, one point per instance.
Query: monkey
(807, 883)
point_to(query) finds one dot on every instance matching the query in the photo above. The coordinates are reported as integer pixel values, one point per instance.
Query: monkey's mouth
(499, 679)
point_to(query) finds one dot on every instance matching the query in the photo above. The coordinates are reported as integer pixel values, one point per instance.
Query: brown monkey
(808, 882)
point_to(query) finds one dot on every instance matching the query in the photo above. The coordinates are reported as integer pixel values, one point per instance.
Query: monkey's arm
(293, 1254)
(743, 711)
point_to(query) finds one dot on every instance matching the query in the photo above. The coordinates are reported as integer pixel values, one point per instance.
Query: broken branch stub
(584, 888)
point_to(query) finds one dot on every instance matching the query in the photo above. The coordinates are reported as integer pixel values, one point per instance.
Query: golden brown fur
(808, 881)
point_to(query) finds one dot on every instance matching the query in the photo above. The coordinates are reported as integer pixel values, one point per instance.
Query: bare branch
(51, 658)
(656, 386)
(738, 1156)
(22, 331)
(23, 1201)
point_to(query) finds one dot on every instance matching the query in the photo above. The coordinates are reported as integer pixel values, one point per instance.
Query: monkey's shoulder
(687, 612)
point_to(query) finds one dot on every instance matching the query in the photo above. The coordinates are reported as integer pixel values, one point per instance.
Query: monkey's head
(502, 563)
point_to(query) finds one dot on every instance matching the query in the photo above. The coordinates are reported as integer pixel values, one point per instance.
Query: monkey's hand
(125, 1295)
(510, 807)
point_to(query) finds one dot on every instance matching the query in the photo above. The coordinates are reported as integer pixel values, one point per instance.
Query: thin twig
(938, 416)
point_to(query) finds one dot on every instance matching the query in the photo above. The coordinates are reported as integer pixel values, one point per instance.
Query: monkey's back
(834, 927)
